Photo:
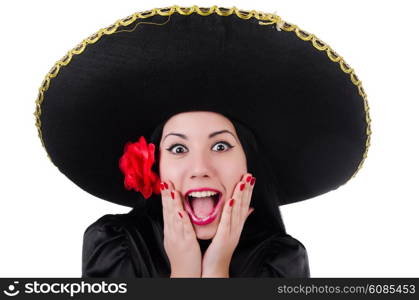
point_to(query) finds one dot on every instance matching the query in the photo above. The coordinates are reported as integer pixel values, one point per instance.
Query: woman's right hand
(180, 240)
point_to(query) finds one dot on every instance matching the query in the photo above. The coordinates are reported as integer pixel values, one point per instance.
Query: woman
(224, 97)
(190, 159)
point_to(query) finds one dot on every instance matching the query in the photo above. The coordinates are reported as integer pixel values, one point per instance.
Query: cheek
(233, 168)
(164, 167)
(171, 170)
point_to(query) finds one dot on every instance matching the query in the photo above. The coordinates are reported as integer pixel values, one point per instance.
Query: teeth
(202, 194)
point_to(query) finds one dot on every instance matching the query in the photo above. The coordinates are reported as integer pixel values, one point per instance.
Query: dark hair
(266, 194)
(266, 219)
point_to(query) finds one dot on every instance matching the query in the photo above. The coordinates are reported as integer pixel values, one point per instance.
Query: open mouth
(203, 206)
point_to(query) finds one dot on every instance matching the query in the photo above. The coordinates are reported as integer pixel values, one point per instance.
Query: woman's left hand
(216, 260)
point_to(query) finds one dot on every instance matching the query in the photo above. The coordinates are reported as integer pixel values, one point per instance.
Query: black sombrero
(299, 97)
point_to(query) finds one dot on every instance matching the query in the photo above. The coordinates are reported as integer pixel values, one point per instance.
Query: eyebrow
(209, 136)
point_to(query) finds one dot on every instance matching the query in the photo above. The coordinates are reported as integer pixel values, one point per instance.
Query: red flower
(136, 163)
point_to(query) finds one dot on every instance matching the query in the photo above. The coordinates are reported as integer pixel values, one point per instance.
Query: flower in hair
(136, 163)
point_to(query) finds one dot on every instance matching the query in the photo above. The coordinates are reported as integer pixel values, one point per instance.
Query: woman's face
(201, 150)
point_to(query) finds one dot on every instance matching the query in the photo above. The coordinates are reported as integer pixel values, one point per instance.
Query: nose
(200, 166)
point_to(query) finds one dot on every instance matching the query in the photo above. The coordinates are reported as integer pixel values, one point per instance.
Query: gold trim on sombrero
(264, 19)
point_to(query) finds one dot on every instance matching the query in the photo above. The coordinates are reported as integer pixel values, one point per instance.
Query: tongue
(202, 207)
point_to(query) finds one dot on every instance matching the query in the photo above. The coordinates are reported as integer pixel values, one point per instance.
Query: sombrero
(301, 100)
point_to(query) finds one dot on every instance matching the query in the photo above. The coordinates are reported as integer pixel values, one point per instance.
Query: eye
(177, 149)
(218, 147)
(221, 146)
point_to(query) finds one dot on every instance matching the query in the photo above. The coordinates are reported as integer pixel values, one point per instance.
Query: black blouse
(131, 245)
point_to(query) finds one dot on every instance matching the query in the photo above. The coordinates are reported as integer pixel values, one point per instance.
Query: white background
(366, 228)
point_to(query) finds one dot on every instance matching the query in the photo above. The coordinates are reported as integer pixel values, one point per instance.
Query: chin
(205, 236)
(205, 232)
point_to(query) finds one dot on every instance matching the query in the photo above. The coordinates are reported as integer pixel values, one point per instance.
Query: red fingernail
(248, 178)
(166, 185)
(242, 186)
(161, 186)
(231, 202)
(180, 214)
(173, 195)
(253, 181)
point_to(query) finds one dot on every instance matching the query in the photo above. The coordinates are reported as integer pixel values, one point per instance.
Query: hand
(180, 240)
(216, 261)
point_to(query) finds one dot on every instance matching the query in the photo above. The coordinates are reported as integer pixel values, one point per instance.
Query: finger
(166, 208)
(246, 191)
(247, 195)
(225, 223)
(188, 229)
(238, 195)
(177, 214)
(240, 187)
(178, 200)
